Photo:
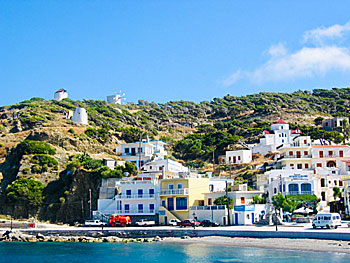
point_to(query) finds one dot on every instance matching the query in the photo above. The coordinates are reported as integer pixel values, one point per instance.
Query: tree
(131, 168)
(27, 194)
(336, 192)
(346, 129)
(222, 200)
(287, 204)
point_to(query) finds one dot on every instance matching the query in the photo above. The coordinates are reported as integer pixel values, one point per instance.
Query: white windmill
(117, 98)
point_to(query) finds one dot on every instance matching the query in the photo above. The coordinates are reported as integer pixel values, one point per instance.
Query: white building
(137, 197)
(141, 152)
(60, 95)
(114, 99)
(166, 165)
(238, 156)
(279, 136)
(80, 116)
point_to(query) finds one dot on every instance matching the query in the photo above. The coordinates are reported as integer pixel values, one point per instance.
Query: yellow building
(178, 195)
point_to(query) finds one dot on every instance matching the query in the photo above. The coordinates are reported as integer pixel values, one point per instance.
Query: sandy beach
(273, 243)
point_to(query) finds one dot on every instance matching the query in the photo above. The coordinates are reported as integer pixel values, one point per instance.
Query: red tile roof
(297, 131)
(61, 90)
(267, 132)
(280, 121)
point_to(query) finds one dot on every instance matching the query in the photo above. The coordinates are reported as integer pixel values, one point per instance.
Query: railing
(297, 156)
(135, 196)
(183, 191)
(135, 212)
(330, 155)
(300, 193)
(136, 182)
(208, 207)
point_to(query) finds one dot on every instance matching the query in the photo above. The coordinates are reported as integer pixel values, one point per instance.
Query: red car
(188, 222)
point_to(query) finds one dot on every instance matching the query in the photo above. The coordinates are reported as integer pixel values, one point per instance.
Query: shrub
(42, 159)
(35, 147)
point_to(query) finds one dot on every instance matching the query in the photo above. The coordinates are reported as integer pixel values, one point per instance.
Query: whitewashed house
(279, 136)
(141, 152)
(238, 156)
(60, 95)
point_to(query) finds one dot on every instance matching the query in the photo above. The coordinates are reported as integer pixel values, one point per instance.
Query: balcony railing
(208, 207)
(183, 191)
(296, 156)
(135, 182)
(300, 193)
(132, 212)
(135, 196)
(330, 155)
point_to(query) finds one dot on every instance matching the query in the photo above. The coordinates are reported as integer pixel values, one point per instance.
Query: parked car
(145, 222)
(188, 222)
(207, 223)
(90, 223)
(174, 222)
(327, 220)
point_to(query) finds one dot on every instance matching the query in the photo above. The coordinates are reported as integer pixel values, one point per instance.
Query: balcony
(136, 182)
(130, 212)
(135, 196)
(299, 193)
(183, 191)
(208, 207)
(296, 156)
(334, 155)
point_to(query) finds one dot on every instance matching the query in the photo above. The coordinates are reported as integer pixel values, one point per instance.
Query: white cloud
(306, 62)
(232, 79)
(321, 34)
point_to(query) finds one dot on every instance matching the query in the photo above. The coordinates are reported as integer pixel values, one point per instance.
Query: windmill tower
(116, 98)
(80, 116)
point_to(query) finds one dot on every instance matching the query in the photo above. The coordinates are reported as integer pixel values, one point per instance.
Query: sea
(155, 253)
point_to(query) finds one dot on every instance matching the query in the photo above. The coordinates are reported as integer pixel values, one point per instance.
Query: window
(282, 140)
(319, 165)
(179, 186)
(306, 187)
(140, 150)
(306, 166)
(335, 182)
(275, 190)
(127, 208)
(323, 196)
(330, 153)
(284, 188)
(170, 186)
(239, 158)
(128, 193)
(150, 167)
(140, 208)
(298, 154)
(200, 202)
(229, 159)
(299, 166)
(243, 200)
(290, 153)
(323, 183)
(126, 150)
(340, 183)
(163, 203)
(305, 142)
(181, 203)
(293, 188)
(321, 155)
(211, 188)
(151, 207)
(140, 193)
(170, 203)
(151, 191)
(341, 153)
(209, 201)
(305, 153)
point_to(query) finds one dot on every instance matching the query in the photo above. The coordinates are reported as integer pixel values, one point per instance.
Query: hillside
(37, 139)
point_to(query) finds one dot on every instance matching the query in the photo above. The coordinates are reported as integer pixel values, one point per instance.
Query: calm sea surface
(153, 252)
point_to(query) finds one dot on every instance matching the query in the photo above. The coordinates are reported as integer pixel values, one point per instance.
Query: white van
(327, 220)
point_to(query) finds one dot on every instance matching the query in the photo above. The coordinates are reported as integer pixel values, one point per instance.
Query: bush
(35, 147)
(42, 159)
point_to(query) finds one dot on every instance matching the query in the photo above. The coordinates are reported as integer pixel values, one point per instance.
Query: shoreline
(297, 244)
(315, 245)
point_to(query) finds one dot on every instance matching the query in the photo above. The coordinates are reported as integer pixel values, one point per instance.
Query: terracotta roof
(267, 132)
(330, 146)
(280, 121)
(346, 161)
(297, 131)
(61, 90)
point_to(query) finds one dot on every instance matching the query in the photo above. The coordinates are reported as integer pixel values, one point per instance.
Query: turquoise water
(153, 252)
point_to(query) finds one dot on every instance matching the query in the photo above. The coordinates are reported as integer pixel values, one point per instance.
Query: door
(140, 192)
(166, 220)
(253, 218)
(170, 203)
(128, 193)
(236, 218)
(133, 152)
(298, 154)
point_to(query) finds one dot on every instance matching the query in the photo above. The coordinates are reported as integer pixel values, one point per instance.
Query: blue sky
(171, 50)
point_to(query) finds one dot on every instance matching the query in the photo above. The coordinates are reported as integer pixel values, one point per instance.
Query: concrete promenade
(298, 232)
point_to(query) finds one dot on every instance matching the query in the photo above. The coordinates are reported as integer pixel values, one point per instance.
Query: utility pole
(90, 204)
(213, 159)
(228, 206)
